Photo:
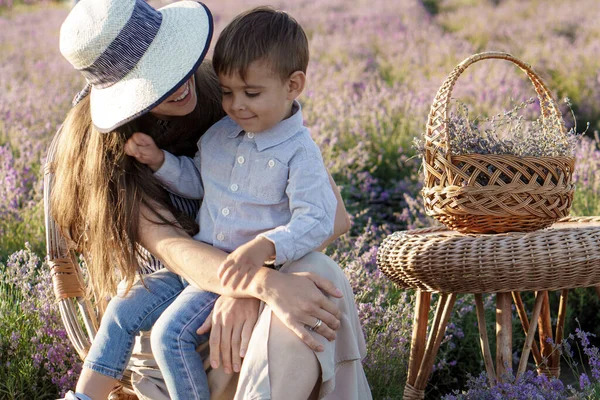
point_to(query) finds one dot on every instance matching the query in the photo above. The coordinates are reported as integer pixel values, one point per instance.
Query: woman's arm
(296, 300)
(179, 252)
(342, 222)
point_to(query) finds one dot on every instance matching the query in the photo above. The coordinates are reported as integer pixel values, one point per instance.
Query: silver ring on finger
(316, 325)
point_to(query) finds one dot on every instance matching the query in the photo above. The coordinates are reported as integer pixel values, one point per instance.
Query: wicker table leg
(549, 363)
(483, 339)
(440, 320)
(562, 313)
(545, 327)
(503, 335)
(554, 367)
(415, 386)
(417, 345)
(529, 335)
(537, 356)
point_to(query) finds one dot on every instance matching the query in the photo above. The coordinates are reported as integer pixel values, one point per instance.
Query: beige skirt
(342, 374)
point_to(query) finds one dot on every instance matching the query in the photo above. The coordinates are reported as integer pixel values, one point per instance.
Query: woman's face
(180, 103)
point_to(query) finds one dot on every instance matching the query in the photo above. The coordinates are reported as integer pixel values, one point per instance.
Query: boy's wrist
(266, 247)
(160, 160)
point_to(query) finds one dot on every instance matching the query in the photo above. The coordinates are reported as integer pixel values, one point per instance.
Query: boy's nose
(238, 104)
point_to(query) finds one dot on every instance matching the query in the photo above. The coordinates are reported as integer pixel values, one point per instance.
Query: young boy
(266, 193)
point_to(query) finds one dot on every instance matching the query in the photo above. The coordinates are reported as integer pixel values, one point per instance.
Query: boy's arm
(313, 207)
(181, 175)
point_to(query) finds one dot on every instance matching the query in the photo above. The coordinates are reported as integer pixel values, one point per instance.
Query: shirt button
(220, 237)
(271, 163)
(234, 187)
(241, 159)
(250, 135)
(225, 211)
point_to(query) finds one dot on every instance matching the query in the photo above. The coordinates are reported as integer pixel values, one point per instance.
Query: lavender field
(375, 68)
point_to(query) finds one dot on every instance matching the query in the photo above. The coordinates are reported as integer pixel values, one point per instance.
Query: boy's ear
(296, 83)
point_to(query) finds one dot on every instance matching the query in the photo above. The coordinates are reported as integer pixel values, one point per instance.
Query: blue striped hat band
(122, 55)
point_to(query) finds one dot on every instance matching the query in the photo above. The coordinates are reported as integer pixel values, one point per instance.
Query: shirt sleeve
(181, 175)
(312, 205)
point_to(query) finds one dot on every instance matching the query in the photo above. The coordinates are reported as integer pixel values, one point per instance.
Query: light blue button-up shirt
(272, 183)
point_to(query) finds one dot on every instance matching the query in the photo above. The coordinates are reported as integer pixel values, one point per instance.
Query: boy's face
(260, 101)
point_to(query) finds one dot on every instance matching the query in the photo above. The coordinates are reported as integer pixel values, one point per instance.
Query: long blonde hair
(98, 190)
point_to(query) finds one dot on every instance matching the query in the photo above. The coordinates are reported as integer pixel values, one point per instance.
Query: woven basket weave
(440, 260)
(522, 193)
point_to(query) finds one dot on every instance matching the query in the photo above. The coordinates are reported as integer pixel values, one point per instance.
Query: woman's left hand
(299, 300)
(232, 321)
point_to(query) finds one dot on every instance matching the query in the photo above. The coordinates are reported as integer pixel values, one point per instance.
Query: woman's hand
(299, 300)
(232, 322)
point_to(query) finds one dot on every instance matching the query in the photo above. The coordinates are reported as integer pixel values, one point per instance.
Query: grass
(28, 229)
(585, 202)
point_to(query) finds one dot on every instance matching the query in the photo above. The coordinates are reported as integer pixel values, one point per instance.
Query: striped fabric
(82, 93)
(147, 262)
(188, 206)
(122, 55)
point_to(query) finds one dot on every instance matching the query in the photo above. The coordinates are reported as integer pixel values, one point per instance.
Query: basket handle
(436, 136)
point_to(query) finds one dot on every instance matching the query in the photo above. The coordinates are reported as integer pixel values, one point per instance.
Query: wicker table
(436, 260)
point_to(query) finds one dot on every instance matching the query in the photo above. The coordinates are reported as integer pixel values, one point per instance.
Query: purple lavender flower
(584, 381)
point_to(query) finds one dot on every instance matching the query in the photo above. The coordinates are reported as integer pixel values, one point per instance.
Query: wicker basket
(439, 260)
(522, 194)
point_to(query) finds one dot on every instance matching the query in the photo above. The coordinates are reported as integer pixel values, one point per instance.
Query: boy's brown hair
(262, 33)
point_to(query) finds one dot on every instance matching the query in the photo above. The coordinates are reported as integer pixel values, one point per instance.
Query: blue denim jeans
(173, 310)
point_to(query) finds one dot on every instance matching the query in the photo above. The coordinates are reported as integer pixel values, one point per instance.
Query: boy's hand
(240, 266)
(143, 148)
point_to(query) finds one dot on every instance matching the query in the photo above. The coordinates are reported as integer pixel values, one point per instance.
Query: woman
(136, 59)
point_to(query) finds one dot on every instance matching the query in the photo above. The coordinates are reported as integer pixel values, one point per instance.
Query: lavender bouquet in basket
(508, 133)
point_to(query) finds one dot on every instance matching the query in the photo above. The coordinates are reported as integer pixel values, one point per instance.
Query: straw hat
(133, 55)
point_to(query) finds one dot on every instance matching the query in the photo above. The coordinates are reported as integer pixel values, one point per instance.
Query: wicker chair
(80, 316)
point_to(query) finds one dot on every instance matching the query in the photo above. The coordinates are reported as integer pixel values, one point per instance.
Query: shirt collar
(277, 134)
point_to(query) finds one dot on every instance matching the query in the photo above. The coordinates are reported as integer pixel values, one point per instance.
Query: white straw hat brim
(173, 56)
